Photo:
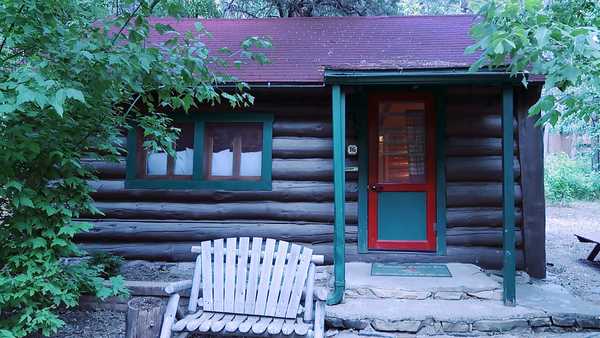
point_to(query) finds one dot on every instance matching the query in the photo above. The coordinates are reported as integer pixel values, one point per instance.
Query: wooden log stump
(144, 317)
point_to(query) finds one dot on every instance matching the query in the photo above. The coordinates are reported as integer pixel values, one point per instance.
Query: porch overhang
(419, 77)
(337, 79)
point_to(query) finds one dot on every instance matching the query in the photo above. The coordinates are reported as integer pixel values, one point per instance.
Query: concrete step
(541, 308)
(467, 282)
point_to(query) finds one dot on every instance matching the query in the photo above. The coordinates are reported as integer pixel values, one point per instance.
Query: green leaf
(542, 35)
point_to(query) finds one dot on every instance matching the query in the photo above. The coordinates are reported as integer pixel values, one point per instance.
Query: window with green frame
(214, 151)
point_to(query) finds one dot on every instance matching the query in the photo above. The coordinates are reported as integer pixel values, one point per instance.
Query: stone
(449, 295)
(588, 322)
(356, 324)
(331, 333)
(488, 294)
(429, 327)
(400, 294)
(540, 321)
(411, 326)
(564, 320)
(454, 327)
(334, 322)
(500, 325)
(359, 292)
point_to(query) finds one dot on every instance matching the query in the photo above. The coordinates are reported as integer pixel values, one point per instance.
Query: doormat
(410, 270)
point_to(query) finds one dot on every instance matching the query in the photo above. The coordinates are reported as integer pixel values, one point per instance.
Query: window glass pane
(233, 150)
(184, 162)
(160, 164)
(156, 163)
(401, 148)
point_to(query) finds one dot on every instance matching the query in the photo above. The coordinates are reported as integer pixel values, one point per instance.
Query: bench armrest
(178, 286)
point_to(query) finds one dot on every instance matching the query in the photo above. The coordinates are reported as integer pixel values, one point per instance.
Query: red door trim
(429, 188)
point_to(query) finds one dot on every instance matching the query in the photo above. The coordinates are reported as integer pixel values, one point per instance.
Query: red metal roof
(304, 47)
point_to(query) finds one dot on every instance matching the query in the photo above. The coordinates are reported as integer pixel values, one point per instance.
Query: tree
(556, 39)
(291, 8)
(69, 84)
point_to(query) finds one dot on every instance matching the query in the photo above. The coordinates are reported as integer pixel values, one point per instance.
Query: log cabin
(369, 140)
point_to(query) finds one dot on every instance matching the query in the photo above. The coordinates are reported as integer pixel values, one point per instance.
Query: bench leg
(594, 253)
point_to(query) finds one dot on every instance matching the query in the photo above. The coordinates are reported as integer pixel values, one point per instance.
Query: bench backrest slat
(253, 275)
(218, 275)
(242, 270)
(230, 258)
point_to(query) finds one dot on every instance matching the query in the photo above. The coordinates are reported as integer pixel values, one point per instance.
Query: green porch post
(508, 193)
(339, 140)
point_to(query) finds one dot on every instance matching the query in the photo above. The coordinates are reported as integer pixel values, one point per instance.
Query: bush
(567, 179)
(108, 264)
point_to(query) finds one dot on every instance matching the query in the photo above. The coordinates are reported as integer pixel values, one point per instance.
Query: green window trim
(198, 181)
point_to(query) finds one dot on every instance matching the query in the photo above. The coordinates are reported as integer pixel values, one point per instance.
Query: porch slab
(467, 281)
(541, 307)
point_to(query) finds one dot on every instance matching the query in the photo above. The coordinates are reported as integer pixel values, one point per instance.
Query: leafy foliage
(559, 41)
(569, 179)
(70, 83)
(109, 264)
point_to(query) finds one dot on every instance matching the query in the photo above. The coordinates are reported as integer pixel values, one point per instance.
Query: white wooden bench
(249, 291)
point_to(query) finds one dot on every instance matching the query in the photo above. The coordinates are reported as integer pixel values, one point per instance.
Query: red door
(401, 172)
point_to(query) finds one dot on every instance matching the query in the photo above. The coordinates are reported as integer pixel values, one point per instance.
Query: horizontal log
(302, 147)
(293, 211)
(481, 168)
(476, 126)
(475, 146)
(169, 231)
(309, 169)
(181, 251)
(479, 236)
(283, 191)
(301, 128)
(477, 194)
(476, 217)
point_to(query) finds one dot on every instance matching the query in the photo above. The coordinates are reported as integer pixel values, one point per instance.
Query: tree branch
(12, 26)
(131, 15)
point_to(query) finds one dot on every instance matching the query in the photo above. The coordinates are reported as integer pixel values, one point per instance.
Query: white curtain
(250, 164)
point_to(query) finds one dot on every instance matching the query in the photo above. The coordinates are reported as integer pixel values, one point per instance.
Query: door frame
(429, 244)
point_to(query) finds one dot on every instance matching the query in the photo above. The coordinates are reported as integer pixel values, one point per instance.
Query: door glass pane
(401, 144)
(233, 150)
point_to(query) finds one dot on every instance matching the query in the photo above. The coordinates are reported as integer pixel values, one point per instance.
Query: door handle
(375, 188)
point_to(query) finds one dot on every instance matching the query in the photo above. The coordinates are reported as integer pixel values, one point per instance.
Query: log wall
(162, 224)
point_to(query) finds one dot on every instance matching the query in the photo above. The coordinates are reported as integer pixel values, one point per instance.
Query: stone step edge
(430, 326)
(375, 293)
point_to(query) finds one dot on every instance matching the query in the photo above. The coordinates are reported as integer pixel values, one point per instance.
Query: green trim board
(359, 104)
(440, 153)
(410, 270)
(508, 193)
(197, 181)
(432, 77)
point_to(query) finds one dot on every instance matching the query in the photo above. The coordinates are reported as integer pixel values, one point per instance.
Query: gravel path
(567, 266)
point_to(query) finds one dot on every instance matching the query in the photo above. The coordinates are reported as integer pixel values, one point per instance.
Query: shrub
(108, 264)
(567, 179)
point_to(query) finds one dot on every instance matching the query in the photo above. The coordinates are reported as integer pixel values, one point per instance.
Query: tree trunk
(144, 317)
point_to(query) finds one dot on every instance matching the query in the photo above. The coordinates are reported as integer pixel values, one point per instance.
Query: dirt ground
(566, 257)
(567, 266)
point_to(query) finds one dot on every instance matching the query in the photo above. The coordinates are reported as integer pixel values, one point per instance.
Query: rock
(449, 295)
(369, 332)
(500, 325)
(331, 333)
(454, 327)
(488, 294)
(411, 326)
(359, 292)
(334, 322)
(540, 321)
(564, 320)
(401, 294)
(588, 322)
(429, 327)
(357, 324)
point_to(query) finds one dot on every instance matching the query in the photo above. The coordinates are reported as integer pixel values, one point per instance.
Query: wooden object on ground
(591, 238)
(144, 317)
(244, 295)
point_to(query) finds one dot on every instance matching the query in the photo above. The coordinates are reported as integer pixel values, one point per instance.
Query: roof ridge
(373, 17)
